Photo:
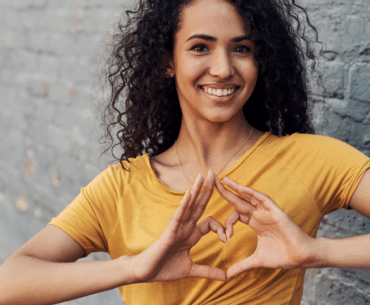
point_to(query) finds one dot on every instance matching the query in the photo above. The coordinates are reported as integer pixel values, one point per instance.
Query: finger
(185, 206)
(240, 204)
(230, 222)
(195, 190)
(204, 197)
(208, 272)
(181, 211)
(197, 185)
(211, 224)
(252, 195)
(244, 265)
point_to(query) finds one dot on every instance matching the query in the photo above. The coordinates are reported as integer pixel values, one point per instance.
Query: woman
(216, 90)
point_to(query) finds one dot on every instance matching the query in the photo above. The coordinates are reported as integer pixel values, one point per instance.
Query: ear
(171, 71)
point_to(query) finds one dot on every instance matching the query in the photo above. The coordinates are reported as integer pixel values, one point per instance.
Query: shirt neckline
(220, 176)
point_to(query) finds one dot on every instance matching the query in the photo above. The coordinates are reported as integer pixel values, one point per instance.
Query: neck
(206, 145)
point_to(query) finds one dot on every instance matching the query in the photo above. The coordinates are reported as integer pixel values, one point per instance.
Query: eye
(200, 48)
(242, 49)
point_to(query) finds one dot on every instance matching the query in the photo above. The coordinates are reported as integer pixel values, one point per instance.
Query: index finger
(202, 200)
(194, 195)
(240, 204)
(251, 195)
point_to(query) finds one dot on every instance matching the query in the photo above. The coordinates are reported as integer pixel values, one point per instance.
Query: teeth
(219, 92)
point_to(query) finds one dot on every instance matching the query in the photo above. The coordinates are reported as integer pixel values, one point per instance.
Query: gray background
(49, 62)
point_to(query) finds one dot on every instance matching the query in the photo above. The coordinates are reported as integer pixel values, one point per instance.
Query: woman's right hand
(168, 258)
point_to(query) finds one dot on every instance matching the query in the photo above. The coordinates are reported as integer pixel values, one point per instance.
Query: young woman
(215, 89)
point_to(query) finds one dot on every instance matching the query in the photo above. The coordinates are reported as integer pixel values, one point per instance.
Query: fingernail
(210, 174)
(227, 179)
(199, 177)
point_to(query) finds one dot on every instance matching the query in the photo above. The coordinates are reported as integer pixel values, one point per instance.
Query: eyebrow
(211, 38)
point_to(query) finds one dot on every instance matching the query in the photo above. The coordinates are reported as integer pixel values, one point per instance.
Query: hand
(281, 243)
(168, 258)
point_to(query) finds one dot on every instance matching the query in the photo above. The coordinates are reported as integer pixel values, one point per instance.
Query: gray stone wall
(49, 56)
(49, 59)
(344, 26)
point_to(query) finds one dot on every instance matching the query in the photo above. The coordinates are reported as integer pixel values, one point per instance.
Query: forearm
(351, 252)
(28, 280)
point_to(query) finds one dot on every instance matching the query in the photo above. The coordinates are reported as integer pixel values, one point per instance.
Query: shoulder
(128, 167)
(116, 176)
(308, 155)
(310, 146)
(328, 167)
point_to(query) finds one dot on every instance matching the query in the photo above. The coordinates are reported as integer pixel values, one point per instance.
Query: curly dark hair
(143, 110)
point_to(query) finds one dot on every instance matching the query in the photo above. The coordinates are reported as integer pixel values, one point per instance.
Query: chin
(224, 115)
(220, 118)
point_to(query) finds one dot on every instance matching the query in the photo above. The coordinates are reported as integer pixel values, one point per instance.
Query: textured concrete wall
(48, 150)
(49, 142)
(344, 26)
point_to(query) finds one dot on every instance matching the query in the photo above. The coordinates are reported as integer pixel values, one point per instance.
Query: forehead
(211, 17)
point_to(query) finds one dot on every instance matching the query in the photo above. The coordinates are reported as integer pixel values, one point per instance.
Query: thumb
(210, 224)
(208, 272)
(231, 220)
(244, 265)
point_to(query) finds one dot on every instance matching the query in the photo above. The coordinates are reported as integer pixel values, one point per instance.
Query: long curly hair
(143, 114)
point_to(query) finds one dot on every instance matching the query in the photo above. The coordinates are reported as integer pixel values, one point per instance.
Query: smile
(220, 92)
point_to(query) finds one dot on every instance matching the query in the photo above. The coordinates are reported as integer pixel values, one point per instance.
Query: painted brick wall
(49, 56)
(344, 26)
(49, 136)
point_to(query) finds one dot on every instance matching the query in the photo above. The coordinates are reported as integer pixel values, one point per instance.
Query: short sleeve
(92, 215)
(351, 167)
(331, 169)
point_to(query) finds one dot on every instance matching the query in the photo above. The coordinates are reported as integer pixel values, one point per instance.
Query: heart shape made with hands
(274, 228)
(168, 258)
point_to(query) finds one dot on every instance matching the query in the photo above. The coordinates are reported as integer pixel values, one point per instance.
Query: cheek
(251, 71)
(191, 68)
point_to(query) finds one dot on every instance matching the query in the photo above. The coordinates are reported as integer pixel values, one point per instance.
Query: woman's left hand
(281, 243)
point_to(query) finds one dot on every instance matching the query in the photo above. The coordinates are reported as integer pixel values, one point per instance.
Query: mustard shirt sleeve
(331, 169)
(92, 215)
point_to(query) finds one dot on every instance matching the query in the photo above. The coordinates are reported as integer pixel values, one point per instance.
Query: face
(213, 62)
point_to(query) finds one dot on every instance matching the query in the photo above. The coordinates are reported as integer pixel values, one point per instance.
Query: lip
(220, 86)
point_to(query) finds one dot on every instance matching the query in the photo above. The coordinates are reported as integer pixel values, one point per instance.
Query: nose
(222, 65)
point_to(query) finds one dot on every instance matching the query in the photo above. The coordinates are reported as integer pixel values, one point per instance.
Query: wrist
(123, 266)
(318, 254)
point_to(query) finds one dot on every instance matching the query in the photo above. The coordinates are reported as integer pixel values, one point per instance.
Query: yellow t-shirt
(123, 212)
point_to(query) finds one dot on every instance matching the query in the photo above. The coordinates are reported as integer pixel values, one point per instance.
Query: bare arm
(44, 270)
